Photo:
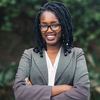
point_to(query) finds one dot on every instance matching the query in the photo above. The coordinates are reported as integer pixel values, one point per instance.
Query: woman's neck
(53, 49)
(52, 52)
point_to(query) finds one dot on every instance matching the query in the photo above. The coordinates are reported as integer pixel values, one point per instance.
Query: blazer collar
(42, 65)
(63, 64)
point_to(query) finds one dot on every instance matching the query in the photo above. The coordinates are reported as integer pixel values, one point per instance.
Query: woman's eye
(54, 25)
(43, 25)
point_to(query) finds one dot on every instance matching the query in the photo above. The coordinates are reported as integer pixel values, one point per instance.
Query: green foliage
(85, 17)
(94, 75)
(17, 14)
(7, 77)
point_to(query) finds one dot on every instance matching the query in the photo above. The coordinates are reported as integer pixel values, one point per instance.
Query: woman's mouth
(50, 37)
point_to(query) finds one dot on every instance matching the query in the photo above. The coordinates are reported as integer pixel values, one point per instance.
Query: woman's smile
(50, 37)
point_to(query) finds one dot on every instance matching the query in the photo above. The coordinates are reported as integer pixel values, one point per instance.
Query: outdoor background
(16, 35)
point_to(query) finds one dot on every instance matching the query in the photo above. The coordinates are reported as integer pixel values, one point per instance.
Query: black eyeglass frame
(49, 26)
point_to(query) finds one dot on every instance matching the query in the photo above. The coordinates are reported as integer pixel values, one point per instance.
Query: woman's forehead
(48, 16)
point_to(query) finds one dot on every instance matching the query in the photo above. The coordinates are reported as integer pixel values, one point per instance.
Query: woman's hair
(66, 27)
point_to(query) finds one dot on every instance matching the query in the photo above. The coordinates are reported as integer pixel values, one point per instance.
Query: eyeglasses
(53, 27)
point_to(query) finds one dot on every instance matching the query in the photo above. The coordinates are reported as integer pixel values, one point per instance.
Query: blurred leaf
(7, 76)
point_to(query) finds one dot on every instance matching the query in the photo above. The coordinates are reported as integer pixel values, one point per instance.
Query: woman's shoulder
(28, 51)
(77, 50)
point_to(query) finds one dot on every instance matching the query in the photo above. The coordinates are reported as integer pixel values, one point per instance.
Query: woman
(53, 69)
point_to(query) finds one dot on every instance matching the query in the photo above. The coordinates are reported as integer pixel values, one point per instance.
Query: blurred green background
(16, 34)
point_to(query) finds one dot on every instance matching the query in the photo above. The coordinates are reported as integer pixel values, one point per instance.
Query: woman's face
(51, 36)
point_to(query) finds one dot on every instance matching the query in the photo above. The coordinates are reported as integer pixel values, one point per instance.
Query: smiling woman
(53, 69)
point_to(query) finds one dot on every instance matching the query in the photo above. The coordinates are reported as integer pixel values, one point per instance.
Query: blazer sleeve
(81, 81)
(22, 91)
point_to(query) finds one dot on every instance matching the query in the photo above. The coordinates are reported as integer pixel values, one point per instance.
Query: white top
(52, 68)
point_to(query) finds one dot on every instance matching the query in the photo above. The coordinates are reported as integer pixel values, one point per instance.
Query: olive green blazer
(72, 70)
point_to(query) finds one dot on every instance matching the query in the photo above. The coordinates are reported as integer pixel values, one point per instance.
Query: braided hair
(66, 27)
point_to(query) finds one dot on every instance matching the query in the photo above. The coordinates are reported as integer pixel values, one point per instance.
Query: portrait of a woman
(54, 69)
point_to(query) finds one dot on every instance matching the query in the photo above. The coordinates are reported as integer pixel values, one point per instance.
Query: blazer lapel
(63, 64)
(41, 64)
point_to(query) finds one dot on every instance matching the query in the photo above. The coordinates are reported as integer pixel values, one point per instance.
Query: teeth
(50, 36)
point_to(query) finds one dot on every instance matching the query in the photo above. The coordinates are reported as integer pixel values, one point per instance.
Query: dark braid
(66, 27)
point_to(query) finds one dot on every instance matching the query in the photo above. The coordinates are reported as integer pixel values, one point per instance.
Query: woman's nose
(49, 29)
